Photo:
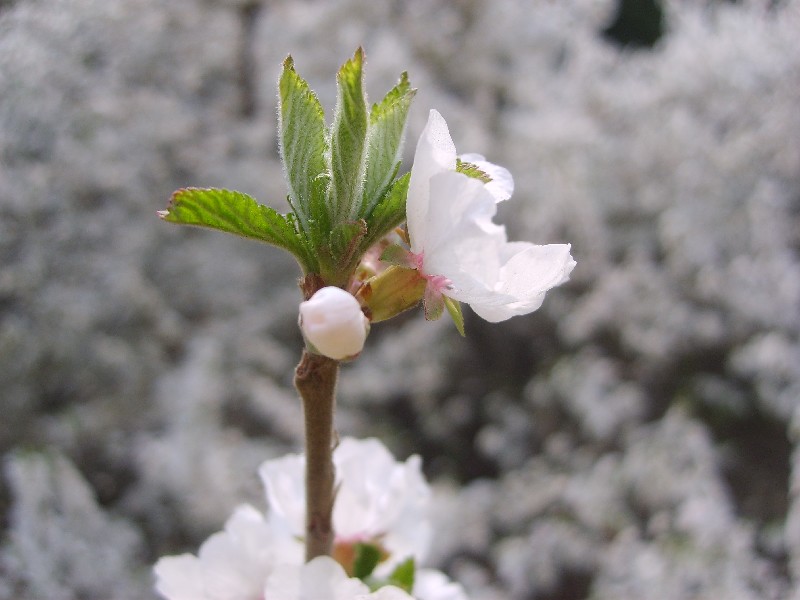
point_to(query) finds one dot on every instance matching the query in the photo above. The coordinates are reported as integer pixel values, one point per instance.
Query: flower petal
(430, 584)
(460, 209)
(231, 565)
(435, 154)
(180, 577)
(527, 273)
(320, 579)
(380, 497)
(530, 269)
(502, 184)
(284, 482)
(388, 592)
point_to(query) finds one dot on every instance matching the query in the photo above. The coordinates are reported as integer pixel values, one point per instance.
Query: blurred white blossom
(231, 565)
(378, 499)
(320, 579)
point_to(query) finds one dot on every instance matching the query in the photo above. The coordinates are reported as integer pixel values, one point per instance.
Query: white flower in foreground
(378, 499)
(231, 565)
(332, 322)
(321, 579)
(325, 579)
(457, 247)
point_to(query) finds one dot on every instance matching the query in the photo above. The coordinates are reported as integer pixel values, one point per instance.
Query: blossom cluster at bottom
(380, 504)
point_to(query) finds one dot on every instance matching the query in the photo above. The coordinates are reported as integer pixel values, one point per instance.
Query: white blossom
(378, 499)
(430, 584)
(325, 579)
(456, 245)
(332, 322)
(320, 579)
(231, 565)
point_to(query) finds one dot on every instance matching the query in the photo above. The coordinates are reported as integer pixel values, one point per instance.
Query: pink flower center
(438, 283)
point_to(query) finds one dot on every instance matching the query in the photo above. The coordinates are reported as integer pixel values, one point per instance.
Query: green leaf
(454, 309)
(471, 170)
(387, 123)
(345, 241)
(319, 225)
(404, 574)
(367, 558)
(301, 126)
(237, 213)
(389, 213)
(348, 142)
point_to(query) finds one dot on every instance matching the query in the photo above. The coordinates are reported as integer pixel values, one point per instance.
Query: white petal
(502, 184)
(228, 573)
(460, 209)
(430, 584)
(435, 154)
(527, 273)
(321, 579)
(494, 313)
(180, 578)
(378, 496)
(530, 269)
(231, 565)
(496, 278)
(388, 592)
(284, 482)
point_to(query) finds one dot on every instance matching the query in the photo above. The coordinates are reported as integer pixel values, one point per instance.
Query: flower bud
(391, 292)
(333, 324)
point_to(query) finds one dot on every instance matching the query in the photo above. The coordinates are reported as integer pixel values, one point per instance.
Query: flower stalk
(315, 380)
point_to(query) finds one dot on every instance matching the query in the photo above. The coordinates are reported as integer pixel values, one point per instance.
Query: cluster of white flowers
(260, 557)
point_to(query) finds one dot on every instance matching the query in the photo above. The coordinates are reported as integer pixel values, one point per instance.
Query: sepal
(454, 310)
(433, 303)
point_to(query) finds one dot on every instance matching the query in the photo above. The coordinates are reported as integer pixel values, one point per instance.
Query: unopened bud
(391, 292)
(333, 324)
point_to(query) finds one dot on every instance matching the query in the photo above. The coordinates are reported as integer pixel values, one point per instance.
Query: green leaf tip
(303, 146)
(348, 142)
(401, 92)
(385, 141)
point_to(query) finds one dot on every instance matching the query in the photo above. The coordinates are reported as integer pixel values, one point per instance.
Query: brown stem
(315, 380)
